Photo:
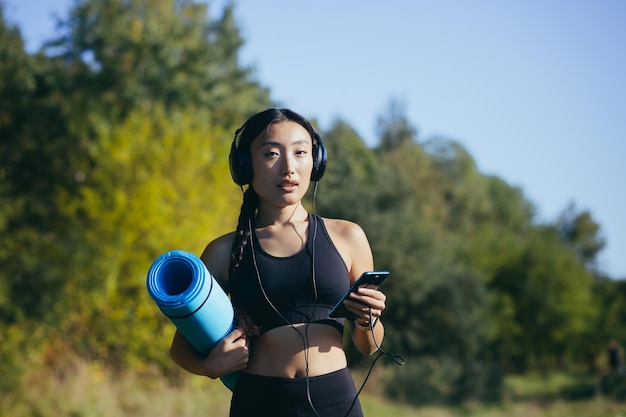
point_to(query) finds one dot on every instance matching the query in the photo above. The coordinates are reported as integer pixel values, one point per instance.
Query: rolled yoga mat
(187, 293)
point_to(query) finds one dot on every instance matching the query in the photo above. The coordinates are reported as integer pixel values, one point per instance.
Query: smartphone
(370, 277)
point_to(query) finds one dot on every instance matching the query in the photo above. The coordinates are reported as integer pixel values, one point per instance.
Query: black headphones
(241, 165)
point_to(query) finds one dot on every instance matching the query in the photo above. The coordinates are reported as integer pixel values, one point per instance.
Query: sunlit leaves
(160, 182)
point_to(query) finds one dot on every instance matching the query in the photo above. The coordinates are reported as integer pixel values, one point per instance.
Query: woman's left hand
(367, 303)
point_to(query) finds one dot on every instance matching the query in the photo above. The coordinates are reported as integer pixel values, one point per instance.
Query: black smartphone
(370, 277)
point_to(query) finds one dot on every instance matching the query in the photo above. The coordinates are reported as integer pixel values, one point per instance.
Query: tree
(394, 128)
(546, 299)
(436, 304)
(582, 233)
(16, 74)
(75, 202)
(112, 58)
(351, 163)
(160, 182)
(131, 53)
(37, 155)
(15, 83)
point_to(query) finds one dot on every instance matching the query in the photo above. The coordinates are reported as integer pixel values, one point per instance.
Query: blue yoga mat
(187, 293)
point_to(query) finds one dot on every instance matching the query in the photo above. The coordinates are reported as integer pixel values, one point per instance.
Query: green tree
(16, 75)
(37, 155)
(128, 54)
(112, 58)
(582, 233)
(345, 190)
(435, 307)
(609, 323)
(545, 296)
(393, 126)
(160, 182)
(72, 231)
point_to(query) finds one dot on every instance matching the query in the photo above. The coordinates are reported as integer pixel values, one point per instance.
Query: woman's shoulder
(216, 256)
(352, 243)
(344, 229)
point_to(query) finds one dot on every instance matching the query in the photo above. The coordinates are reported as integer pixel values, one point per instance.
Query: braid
(242, 235)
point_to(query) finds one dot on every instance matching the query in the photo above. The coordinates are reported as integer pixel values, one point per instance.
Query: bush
(614, 386)
(443, 381)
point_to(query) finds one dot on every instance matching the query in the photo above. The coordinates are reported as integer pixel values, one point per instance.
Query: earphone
(305, 336)
(241, 165)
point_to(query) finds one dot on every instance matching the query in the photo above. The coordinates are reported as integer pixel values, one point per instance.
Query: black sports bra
(275, 291)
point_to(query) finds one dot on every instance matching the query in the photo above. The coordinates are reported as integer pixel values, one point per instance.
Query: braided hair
(249, 209)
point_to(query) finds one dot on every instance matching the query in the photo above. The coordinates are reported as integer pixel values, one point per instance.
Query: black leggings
(331, 394)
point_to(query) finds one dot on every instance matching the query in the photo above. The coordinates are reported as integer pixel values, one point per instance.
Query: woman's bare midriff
(280, 352)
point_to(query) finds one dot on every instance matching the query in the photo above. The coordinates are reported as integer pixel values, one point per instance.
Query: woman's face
(282, 161)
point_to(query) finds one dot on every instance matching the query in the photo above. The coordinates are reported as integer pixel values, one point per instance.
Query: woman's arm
(231, 353)
(352, 243)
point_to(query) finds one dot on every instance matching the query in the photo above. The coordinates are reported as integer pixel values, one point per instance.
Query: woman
(284, 269)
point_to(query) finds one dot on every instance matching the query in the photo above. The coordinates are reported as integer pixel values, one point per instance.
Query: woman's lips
(288, 185)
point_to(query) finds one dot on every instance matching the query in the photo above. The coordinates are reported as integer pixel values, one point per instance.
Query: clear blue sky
(535, 90)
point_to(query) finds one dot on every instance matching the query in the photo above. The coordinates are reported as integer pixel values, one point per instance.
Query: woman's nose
(287, 167)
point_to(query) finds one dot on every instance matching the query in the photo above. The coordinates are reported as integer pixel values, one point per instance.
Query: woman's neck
(280, 216)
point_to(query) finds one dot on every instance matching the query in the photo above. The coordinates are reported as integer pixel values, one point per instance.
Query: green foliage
(36, 155)
(351, 165)
(436, 307)
(430, 380)
(548, 295)
(582, 233)
(614, 386)
(159, 183)
(610, 323)
(393, 127)
(16, 78)
(131, 53)
(107, 160)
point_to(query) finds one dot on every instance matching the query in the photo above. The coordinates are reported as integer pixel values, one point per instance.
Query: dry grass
(88, 390)
(597, 407)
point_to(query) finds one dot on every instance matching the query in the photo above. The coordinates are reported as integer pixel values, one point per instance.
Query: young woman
(284, 268)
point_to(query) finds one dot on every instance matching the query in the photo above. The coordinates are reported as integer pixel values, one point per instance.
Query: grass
(554, 395)
(597, 407)
(89, 390)
(555, 385)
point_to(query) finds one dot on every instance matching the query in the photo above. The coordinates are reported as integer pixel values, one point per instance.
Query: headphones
(241, 165)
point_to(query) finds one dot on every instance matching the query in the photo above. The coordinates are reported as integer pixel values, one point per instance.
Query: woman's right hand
(229, 355)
